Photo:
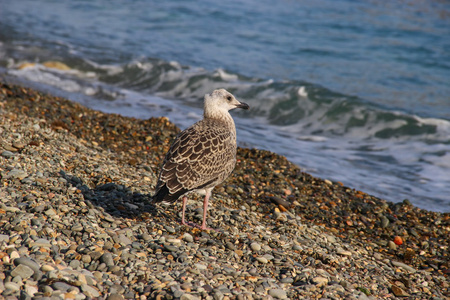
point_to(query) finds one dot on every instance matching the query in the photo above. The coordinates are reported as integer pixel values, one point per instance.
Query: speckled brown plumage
(203, 155)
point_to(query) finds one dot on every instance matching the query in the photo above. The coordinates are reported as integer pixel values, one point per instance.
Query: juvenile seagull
(201, 156)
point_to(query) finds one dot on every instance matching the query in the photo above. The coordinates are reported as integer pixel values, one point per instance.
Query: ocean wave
(299, 108)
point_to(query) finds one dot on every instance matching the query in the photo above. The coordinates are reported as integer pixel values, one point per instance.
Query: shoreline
(105, 164)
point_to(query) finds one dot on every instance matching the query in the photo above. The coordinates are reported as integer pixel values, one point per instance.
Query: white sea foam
(302, 92)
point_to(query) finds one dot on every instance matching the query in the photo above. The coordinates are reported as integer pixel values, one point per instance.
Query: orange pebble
(398, 240)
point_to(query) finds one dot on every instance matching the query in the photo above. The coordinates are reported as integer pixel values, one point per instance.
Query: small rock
(90, 291)
(255, 246)
(50, 212)
(170, 229)
(107, 259)
(31, 290)
(16, 173)
(47, 268)
(268, 257)
(171, 248)
(392, 245)
(41, 243)
(189, 297)
(77, 227)
(404, 266)
(331, 239)
(12, 286)
(23, 271)
(115, 296)
(399, 292)
(218, 295)
(320, 281)
(18, 145)
(343, 252)
(4, 238)
(377, 256)
(188, 238)
(201, 266)
(287, 280)
(75, 264)
(123, 239)
(7, 154)
(86, 258)
(27, 262)
(11, 209)
(61, 286)
(278, 293)
(296, 247)
(262, 260)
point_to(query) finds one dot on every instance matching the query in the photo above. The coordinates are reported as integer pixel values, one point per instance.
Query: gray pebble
(178, 293)
(46, 289)
(171, 248)
(23, 271)
(61, 286)
(41, 243)
(86, 258)
(170, 229)
(123, 239)
(404, 266)
(12, 286)
(27, 262)
(16, 173)
(50, 212)
(90, 291)
(188, 238)
(392, 245)
(320, 281)
(75, 264)
(278, 293)
(114, 296)
(262, 260)
(296, 247)
(218, 295)
(146, 237)
(255, 246)
(201, 266)
(4, 237)
(107, 259)
(189, 297)
(287, 280)
(7, 154)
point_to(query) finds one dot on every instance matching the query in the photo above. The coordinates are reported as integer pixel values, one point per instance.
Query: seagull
(202, 156)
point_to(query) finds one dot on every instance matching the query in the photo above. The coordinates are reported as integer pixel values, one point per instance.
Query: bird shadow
(119, 201)
(116, 199)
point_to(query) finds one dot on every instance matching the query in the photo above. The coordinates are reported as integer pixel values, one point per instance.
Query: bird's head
(221, 101)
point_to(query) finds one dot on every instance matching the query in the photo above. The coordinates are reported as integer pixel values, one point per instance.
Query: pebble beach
(76, 221)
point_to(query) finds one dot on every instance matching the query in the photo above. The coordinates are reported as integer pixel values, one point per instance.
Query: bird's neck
(223, 117)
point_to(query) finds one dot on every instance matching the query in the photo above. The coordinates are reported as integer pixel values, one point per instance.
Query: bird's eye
(229, 98)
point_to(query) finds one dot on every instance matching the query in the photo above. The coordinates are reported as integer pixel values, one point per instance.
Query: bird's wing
(201, 156)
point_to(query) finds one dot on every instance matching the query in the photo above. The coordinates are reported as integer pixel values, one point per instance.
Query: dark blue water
(351, 91)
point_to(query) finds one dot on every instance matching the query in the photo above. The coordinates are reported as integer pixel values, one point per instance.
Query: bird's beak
(242, 105)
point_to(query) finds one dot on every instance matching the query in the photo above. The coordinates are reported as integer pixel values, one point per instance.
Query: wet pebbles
(76, 223)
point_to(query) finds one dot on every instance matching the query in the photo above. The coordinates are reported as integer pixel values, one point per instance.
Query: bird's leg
(184, 209)
(190, 224)
(205, 209)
